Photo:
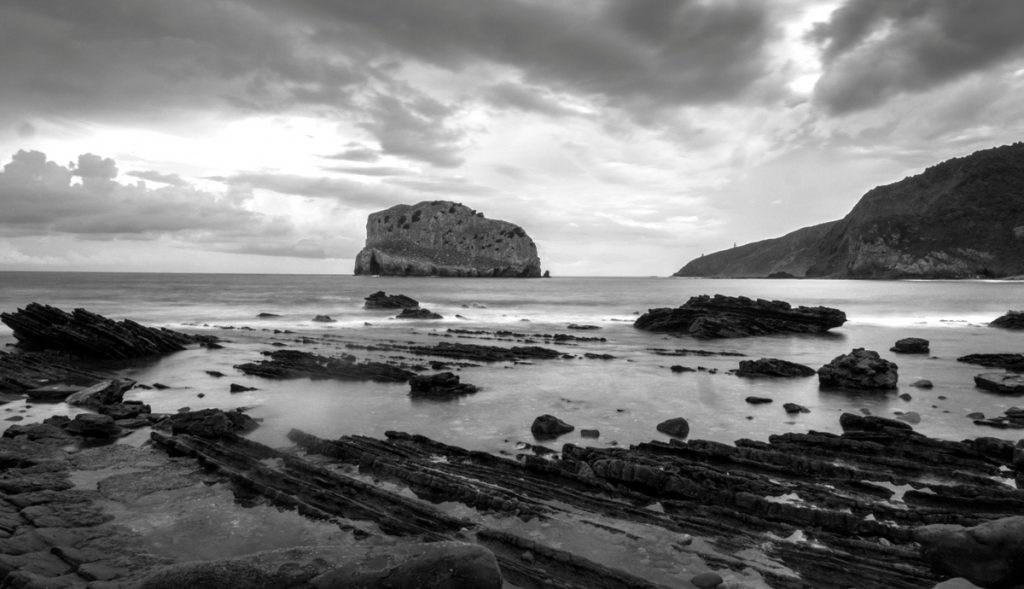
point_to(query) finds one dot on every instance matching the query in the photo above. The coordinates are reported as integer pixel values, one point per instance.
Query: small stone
(323, 319)
(237, 388)
(923, 383)
(910, 417)
(795, 408)
(678, 368)
(707, 580)
(905, 396)
(590, 433)
(976, 415)
(758, 400)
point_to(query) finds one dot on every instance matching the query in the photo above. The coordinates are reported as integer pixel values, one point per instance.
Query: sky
(625, 136)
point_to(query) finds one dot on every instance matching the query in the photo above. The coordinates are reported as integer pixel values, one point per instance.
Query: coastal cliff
(441, 238)
(962, 218)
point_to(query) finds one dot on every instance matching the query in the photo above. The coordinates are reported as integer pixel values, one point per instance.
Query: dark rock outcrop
(549, 427)
(722, 316)
(418, 314)
(442, 238)
(298, 364)
(1009, 361)
(382, 300)
(1011, 320)
(860, 369)
(102, 393)
(1000, 382)
(677, 427)
(988, 555)
(910, 345)
(210, 423)
(29, 370)
(88, 335)
(902, 230)
(794, 408)
(773, 367)
(444, 385)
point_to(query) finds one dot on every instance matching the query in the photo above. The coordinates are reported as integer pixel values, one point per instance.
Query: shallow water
(624, 398)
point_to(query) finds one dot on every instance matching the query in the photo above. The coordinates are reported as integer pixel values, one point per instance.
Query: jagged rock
(443, 238)
(860, 369)
(546, 427)
(28, 370)
(210, 423)
(41, 327)
(677, 427)
(792, 408)
(439, 386)
(125, 410)
(851, 422)
(297, 364)
(418, 314)
(773, 367)
(91, 425)
(1011, 320)
(238, 388)
(998, 382)
(902, 230)
(722, 316)
(382, 300)
(911, 345)
(102, 393)
(988, 555)
(324, 319)
(1009, 361)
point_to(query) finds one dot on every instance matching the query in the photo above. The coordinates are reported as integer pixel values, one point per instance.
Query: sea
(623, 397)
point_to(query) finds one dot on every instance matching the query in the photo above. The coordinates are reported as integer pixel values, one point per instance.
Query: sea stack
(442, 238)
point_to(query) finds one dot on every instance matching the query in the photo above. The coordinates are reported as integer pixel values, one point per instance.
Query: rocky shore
(879, 505)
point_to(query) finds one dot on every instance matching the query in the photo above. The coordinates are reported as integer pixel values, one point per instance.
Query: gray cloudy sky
(625, 136)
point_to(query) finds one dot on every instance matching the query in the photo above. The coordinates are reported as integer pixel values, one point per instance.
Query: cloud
(417, 128)
(349, 192)
(38, 198)
(154, 176)
(875, 49)
(510, 95)
(357, 153)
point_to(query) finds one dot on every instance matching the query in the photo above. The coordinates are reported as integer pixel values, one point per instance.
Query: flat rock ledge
(726, 317)
(89, 335)
(773, 367)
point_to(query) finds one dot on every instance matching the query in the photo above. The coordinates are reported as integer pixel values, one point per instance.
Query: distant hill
(962, 218)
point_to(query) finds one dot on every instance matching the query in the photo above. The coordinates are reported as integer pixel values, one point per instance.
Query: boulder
(860, 369)
(418, 314)
(988, 555)
(1011, 320)
(211, 423)
(793, 408)
(91, 425)
(773, 367)
(677, 427)
(1000, 382)
(910, 345)
(102, 393)
(443, 385)
(723, 317)
(382, 300)
(85, 334)
(442, 238)
(547, 427)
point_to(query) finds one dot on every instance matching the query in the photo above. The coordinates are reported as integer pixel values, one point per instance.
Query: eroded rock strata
(442, 238)
(724, 316)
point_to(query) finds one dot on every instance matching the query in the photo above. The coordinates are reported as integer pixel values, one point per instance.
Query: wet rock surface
(1009, 361)
(860, 369)
(86, 334)
(724, 317)
(773, 367)
(911, 345)
(999, 382)
(418, 314)
(299, 364)
(1011, 320)
(549, 427)
(444, 385)
(382, 300)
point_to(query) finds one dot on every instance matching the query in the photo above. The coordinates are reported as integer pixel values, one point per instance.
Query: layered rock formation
(722, 316)
(442, 238)
(962, 218)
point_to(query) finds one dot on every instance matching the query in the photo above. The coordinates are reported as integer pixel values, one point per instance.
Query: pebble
(707, 580)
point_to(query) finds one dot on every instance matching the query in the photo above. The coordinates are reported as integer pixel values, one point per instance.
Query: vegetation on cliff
(962, 218)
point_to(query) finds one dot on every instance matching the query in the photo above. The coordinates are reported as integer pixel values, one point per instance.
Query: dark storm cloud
(415, 128)
(39, 197)
(509, 95)
(662, 52)
(874, 49)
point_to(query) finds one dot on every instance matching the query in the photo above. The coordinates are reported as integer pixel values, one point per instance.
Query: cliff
(442, 238)
(962, 218)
